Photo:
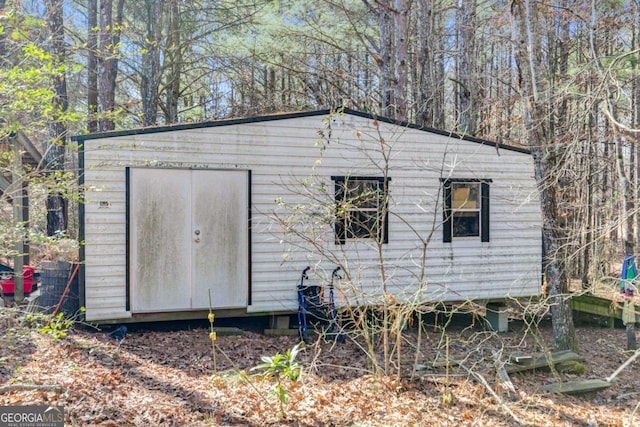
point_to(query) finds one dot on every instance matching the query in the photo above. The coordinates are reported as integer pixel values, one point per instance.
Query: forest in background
(559, 77)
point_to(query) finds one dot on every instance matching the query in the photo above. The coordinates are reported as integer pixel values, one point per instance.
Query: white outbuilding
(226, 214)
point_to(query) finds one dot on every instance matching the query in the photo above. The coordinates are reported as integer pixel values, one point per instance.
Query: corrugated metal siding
(286, 152)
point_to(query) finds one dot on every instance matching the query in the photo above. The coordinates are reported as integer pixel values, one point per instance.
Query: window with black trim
(466, 209)
(360, 208)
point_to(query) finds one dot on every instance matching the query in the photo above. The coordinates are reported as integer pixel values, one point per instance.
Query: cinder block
(280, 322)
(497, 317)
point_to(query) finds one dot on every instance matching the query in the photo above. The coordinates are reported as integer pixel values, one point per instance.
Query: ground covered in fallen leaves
(171, 376)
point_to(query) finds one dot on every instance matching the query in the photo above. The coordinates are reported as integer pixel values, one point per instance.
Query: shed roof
(282, 116)
(31, 156)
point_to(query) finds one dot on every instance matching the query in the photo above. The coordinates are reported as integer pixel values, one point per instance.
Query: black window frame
(484, 220)
(341, 230)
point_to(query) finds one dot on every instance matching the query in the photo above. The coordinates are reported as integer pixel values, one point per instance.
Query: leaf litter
(169, 378)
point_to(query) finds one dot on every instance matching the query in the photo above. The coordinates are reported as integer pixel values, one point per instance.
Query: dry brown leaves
(169, 378)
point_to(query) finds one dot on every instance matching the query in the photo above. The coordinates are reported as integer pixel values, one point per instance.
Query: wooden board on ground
(520, 358)
(539, 361)
(443, 364)
(577, 387)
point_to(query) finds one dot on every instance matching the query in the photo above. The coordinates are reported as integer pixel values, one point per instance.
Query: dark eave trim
(450, 180)
(267, 118)
(199, 125)
(438, 131)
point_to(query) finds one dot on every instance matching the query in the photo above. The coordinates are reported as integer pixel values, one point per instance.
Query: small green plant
(58, 325)
(213, 336)
(281, 366)
(35, 320)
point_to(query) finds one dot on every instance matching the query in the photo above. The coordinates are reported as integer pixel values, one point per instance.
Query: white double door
(188, 237)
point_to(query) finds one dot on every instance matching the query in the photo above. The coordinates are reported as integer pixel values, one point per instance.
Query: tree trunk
(54, 157)
(468, 102)
(106, 97)
(635, 108)
(151, 62)
(400, 43)
(627, 202)
(17, 196)
(174, 61)
(92, 65)
(425, 60)
(3, 48)
(536, 122)
(429, 108)
(386, 61)
(108, 41)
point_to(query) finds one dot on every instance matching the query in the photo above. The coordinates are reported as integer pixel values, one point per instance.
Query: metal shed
(174, 213)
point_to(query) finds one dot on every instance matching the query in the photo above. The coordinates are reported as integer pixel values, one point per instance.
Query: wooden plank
(577, 387)
(599, 306)
(444, 364)
(34, 158)
(520, 358)
(503, 377)
(543, 361)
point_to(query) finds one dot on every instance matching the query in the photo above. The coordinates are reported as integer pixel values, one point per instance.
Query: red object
(29, 281)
